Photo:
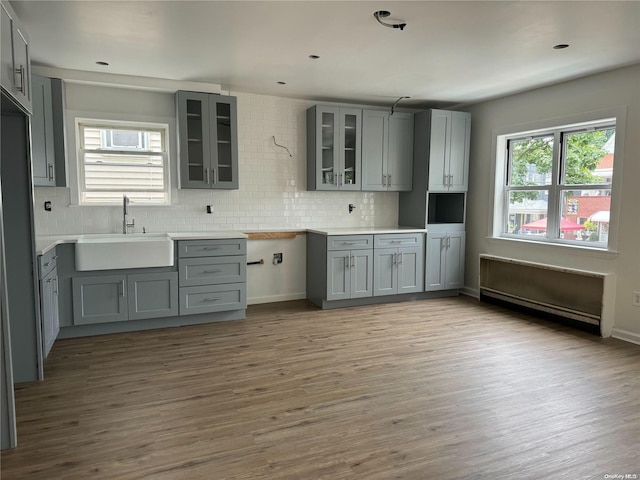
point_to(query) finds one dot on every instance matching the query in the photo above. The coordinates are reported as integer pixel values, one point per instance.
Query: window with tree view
(558, 184)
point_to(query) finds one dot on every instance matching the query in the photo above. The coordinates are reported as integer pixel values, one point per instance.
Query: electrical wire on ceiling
(393, 107)
(281, 146)
(384, 14)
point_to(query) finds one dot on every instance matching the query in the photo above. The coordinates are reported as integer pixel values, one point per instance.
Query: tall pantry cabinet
(437, 201)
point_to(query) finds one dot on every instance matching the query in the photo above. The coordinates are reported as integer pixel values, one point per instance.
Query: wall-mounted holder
(352, 207)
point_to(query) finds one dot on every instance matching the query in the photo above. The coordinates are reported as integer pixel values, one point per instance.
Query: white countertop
(46, 243)
(365, 230)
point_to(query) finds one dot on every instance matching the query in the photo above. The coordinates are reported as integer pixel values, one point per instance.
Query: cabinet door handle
(389, 180)
(347, 262)
(384, 180)
(51, 171)
(399, 258)
(206, 175)
(213, 173)
(340, 179)
(121, 288)
(20, 86)
(353, 262)
(55, 291)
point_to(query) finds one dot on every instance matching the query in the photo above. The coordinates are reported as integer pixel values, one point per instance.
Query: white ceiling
(450, 52)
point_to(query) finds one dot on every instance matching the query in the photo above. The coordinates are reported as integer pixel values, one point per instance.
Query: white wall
(605, 91)
(272, 193)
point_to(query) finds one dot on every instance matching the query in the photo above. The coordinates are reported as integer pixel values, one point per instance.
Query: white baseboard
(277, 298)
(470, 292)
(626, 335)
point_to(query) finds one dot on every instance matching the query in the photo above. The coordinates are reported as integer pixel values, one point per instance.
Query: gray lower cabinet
(117, 298)
(212, 275)
(99, 299)
(42, 148)
(152, 295)
(398, 262)
(49, 310)
(213, 298)
(444, 264)
(349, 274)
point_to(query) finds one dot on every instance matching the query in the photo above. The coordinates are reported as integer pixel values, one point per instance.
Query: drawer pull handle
(207, 300)
(211, 271)
(210, 248)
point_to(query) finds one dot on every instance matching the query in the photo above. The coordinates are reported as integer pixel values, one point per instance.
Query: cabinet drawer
(212, 270)
(212, 248)
(47, 262)
(213, 298)
(349, 242)
(389, 240)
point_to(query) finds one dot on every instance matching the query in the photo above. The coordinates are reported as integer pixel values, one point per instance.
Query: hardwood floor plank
(446, 388)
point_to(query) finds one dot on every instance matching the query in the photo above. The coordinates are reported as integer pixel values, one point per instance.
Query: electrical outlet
(277, 258)
(636, 299)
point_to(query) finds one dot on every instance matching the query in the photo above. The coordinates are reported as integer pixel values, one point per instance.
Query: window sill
(566, 248)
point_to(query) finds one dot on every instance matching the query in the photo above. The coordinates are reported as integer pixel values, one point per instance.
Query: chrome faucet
(125, 212)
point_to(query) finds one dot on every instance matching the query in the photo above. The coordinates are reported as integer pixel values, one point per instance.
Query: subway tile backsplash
(272, 193)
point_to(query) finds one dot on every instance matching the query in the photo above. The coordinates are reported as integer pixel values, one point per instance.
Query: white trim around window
(551, 190)
(116, 158)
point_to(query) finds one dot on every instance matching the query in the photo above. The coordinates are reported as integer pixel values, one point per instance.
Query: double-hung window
(122, 158)
(558, 184)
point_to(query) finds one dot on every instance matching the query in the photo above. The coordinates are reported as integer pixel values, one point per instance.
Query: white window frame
(499, 216)
(162, 128)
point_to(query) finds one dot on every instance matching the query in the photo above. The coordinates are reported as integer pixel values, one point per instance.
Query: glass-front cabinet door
(334, 154)
(350, 149)
(208, 143)
(224, 141)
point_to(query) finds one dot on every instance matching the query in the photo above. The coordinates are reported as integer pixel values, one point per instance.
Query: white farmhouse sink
(114, 251)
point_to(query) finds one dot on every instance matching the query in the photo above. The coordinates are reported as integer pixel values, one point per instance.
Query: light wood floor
(437, 389)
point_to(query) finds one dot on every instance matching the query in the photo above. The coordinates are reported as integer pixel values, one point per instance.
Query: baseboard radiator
(574, 294)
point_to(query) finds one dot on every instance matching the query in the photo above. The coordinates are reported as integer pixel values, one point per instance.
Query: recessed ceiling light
(282, 83)
(314, 57)
(104, 64)
(561, 46)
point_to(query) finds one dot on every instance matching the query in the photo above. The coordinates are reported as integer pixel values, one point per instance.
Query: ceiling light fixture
(384, 14)
(561, 46)
(393, 107)
(103, 64)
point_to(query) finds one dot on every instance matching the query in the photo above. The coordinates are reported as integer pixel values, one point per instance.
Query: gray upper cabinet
(118, 298)
(15, 76)
(42, 147)
(387, 151)
(334, 156)
(449, 138)
(207, 140)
